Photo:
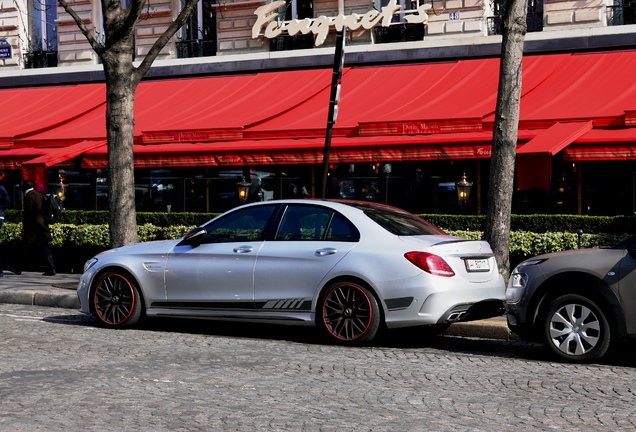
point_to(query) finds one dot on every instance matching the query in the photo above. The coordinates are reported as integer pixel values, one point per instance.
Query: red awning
(571, 91)
(603, 144)
(12, 159)
(473, 145)
(534, 159)
(35, 169)
(396, 112)
(27, 111)
(201, 109)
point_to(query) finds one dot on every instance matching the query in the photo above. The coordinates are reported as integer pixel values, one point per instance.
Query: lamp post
(243, 188)
(61, 187)
(463, 191)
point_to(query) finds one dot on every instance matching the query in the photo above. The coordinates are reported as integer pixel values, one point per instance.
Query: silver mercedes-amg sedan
(351, 268)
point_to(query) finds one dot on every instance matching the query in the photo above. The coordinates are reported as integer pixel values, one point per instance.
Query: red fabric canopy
(473, 145)
(204, 109)
(571, 89)
(35, 169)
(399, 112)
(603, 144)
(534, 159)
(27, 111)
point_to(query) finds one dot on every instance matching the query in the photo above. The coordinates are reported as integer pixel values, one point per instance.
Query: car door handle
(326, 251)
(243, 249)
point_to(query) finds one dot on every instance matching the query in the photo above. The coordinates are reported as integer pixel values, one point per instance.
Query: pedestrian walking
(5, 202)
(36, 234)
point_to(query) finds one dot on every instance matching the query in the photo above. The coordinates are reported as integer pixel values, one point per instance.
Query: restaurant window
(294, 9)
(197, 38)
(399, 30)
(534, 19)
(42, 49)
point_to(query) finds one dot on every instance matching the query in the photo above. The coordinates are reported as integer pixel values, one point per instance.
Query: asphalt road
(59, 371)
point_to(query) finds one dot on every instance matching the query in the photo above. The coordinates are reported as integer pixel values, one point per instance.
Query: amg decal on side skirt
(284, 304)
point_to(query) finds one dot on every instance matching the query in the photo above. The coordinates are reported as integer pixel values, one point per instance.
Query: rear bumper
(474, 311)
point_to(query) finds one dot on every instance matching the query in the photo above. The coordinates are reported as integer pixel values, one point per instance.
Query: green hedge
(541, 223)
(529, 223)
(82, 234)
(522, 243)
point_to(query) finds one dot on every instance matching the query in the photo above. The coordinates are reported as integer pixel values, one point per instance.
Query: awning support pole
(333, 105)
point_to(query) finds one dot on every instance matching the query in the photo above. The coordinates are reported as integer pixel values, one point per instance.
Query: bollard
(580, 234)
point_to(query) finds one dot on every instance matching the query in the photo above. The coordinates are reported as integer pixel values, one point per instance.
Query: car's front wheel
(349, 313)
(116, 300)
(576, 329)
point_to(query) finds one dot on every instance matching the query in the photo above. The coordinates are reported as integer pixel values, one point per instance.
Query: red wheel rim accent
(114, 299)
(347, 312)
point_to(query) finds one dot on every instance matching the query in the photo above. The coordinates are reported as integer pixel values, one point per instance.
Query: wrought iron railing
(399, 33)
(288, 43)
(40, 59)
(534, 21)
(621, 13)
(196, 48)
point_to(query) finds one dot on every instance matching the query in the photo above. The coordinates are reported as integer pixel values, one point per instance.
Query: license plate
(477, 265)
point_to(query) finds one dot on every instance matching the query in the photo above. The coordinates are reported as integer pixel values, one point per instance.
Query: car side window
(242, 225)
(340, 229)
(302, 222)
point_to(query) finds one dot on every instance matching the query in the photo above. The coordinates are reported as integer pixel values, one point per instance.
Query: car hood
(156, 246)
(596, 260)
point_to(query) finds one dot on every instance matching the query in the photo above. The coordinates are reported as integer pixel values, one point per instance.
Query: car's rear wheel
(116, 300)
(576, 329)
(349, 313)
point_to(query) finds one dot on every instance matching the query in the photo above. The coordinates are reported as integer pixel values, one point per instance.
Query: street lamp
(243, 190)
(61, 187)
(463, 190)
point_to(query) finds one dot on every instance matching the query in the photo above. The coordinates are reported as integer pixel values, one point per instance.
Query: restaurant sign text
(320, 27)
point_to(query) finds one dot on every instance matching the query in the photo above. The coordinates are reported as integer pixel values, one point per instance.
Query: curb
(61, 299)
(495, 328)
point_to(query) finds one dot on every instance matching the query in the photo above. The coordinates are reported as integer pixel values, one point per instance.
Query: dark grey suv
(576, 302)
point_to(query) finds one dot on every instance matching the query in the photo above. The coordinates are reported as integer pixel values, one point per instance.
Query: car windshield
(398, 222)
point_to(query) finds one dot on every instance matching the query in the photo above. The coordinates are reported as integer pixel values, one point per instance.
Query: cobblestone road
(59, 371)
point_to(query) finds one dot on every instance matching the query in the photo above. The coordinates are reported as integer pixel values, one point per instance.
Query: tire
(576, 329)
(349, 314)
(116, 301)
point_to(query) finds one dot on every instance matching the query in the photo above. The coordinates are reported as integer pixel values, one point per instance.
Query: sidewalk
(31, 288)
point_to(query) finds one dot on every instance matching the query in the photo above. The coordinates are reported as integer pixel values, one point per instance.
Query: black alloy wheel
(116, 301)
(349, 313)
(576, 329)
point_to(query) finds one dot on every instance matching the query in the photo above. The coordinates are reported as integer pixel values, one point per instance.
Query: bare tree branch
(94, 43)
(161, 42)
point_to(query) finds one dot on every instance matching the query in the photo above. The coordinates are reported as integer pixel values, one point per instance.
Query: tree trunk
(505, 134)
(120, 123)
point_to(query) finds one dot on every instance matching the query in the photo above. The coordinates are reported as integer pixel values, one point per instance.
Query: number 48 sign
(453, 16)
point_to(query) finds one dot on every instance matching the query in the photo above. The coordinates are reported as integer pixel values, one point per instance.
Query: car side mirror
(194, 238)
(631, 250)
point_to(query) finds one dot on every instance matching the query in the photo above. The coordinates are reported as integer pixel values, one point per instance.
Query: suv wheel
(576, 329)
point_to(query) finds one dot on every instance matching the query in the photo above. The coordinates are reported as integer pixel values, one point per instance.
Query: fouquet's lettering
(267, 19)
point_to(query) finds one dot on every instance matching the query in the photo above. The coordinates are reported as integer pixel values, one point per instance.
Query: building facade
(416, 112)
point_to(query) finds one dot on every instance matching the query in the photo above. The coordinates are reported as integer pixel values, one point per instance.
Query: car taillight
(430, 263)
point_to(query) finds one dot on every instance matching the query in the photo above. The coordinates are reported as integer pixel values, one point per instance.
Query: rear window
(398, 222)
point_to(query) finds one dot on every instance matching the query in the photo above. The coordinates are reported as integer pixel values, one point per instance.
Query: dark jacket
(35, 230)
(5, 200)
